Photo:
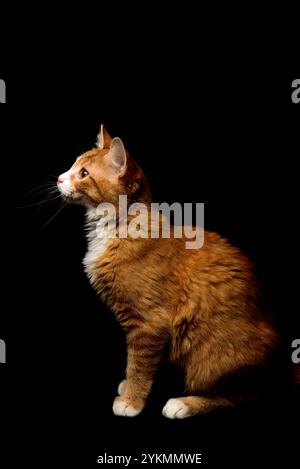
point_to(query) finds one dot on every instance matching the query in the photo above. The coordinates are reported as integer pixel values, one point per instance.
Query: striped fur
(201, 307)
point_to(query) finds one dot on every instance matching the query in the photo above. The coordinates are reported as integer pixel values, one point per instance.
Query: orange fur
(203, 306)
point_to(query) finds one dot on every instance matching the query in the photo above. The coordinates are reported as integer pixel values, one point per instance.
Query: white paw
(124, 409)
(176, 409)
(121, 387)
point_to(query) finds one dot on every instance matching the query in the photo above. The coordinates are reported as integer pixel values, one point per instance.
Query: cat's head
(102, 174)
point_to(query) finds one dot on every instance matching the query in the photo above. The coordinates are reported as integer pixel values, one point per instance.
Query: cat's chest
(106, 265)
(96, 249)
(99, 242)
(110, 268)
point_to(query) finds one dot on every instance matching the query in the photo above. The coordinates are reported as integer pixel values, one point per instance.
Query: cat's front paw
(121, 388)
(125, 408)
(176, 409)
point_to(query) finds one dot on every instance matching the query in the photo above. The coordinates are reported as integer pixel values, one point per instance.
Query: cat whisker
(40, 203)
(50, 175)
(36, 190)
(50, 198)
(56, 213)
(43, 193)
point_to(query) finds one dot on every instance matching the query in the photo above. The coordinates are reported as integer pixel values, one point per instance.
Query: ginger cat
(202, 306)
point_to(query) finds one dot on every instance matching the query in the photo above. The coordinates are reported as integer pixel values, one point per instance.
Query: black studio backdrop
(219, 133)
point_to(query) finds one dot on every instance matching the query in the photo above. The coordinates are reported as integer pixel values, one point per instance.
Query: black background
(207, 124)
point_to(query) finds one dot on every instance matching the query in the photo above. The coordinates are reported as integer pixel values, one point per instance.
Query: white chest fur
(98, 240)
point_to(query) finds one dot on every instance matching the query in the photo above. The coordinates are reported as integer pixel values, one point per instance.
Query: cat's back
(218, 255)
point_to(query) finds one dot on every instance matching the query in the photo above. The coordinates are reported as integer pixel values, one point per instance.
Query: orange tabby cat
(203, 306)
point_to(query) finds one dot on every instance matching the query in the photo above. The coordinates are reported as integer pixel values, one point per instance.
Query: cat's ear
(103, 138)
(117, 156)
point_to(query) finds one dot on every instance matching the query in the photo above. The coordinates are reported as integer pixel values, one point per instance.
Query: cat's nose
(60, 180)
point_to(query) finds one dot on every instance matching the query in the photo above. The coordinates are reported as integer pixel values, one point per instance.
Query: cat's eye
(84, 173)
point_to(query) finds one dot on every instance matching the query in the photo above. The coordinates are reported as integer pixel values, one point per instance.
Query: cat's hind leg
(183, 407)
